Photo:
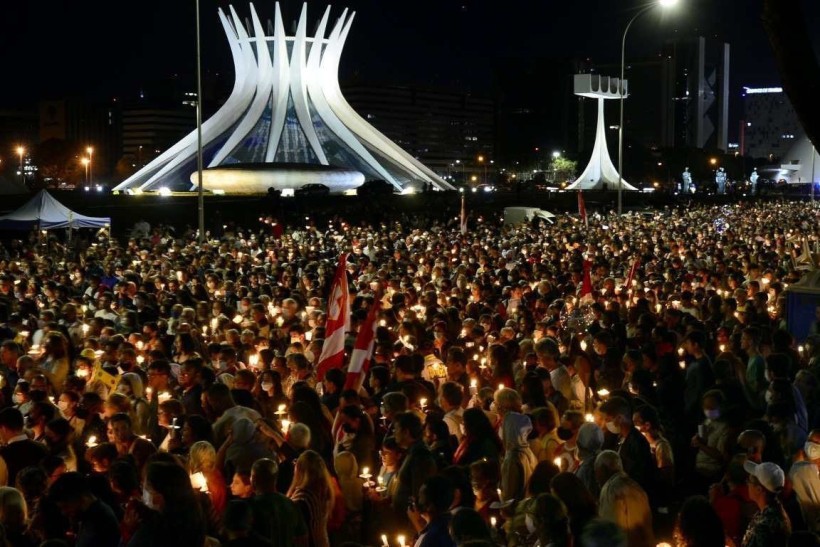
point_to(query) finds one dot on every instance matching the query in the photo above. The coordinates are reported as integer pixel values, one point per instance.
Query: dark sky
(54, 48)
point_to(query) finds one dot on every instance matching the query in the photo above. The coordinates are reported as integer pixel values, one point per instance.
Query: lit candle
(401, 541)
(384, 541)
(800, 349)
(682, 364)
(589, 418)
(603, 393)
(500, 498)
(140, 359)
(148, 392)
(214, 323)
(140, 345)
(253, 360)
(85, 328)
(92, 441)
(722, 348)
(493, 522)
(281, 410)
(423, 403)
(237, 319)
(285, 426)
(473, 386)
(557, 462)
(164, 396)
(680, 351)
(583, 345)
(658, 308)
(199, 482)
(500, 387)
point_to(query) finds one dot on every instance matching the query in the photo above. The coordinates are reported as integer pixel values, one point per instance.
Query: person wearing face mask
(633, 448)
(804, 476)
(358, 438)
(712, 441)
(567, 431)
(68, 402)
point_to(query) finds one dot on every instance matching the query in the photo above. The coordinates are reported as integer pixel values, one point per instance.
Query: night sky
(96, 48)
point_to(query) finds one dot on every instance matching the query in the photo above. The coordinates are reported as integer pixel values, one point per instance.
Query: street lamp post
(664, 4)
(200, 191)
(90, 151)
(86, 163)
(22, 152)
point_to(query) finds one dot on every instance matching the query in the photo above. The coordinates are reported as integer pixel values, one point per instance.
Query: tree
(562, 169)
(797, 64)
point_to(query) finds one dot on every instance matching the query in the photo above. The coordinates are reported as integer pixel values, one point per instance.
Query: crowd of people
(627, 383)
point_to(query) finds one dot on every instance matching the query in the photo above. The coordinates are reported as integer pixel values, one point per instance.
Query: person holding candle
(479, 439)
(418, 463)
(430, 515)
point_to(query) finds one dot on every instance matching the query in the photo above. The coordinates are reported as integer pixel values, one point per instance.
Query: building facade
(770, 126)
(695, 93)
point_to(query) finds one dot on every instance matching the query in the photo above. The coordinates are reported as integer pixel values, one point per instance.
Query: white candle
(473, 386)
(92, 441)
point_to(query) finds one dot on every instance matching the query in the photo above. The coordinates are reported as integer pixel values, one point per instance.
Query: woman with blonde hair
(312, 491)
(202, 459)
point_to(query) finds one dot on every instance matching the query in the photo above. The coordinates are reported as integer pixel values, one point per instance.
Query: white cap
(768, 474)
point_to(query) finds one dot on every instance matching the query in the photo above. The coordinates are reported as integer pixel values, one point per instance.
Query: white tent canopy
(46, 213)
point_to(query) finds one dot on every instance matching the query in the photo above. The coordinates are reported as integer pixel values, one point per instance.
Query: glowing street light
(90, 151)
(21, 152)
(86, 162)
(664, 4)
(556, 154)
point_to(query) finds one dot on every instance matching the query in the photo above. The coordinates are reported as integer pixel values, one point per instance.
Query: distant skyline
(98, 49)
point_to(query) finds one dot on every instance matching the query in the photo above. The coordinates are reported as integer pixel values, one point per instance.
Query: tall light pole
(481, 162)
(90, 151)
(86, 162)
(663, 4)
(200, 191)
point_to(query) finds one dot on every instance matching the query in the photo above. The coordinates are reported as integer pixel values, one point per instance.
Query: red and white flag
(586, 283)
(463, 217)
(363, 349)
(338, 322)
(582, 208)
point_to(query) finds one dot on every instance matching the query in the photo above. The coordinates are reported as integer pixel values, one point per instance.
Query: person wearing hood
(519, 461)
(590, 440)
(131, 386)
(241, 448)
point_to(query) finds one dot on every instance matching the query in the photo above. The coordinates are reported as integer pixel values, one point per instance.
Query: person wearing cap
(770, 526)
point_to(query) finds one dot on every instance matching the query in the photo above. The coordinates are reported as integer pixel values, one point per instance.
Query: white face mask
(812, 450)
(267, 386)
(62, 405)
(529, 523)
(612, 427)
(148, 499)
(712, 414)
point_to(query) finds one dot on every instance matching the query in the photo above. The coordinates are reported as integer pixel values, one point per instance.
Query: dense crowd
(629, 382)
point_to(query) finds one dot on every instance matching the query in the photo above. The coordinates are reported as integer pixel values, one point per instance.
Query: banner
(338, 322)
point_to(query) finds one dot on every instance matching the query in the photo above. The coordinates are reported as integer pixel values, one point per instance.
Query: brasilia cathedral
(285, 123)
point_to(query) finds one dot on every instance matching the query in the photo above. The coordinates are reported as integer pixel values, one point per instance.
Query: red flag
(463, 217)
(582, 209)
(632, 271)
(363, 349)
(586, 283)
(338, 322)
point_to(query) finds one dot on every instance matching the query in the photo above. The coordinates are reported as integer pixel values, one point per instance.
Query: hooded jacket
(519, 461)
